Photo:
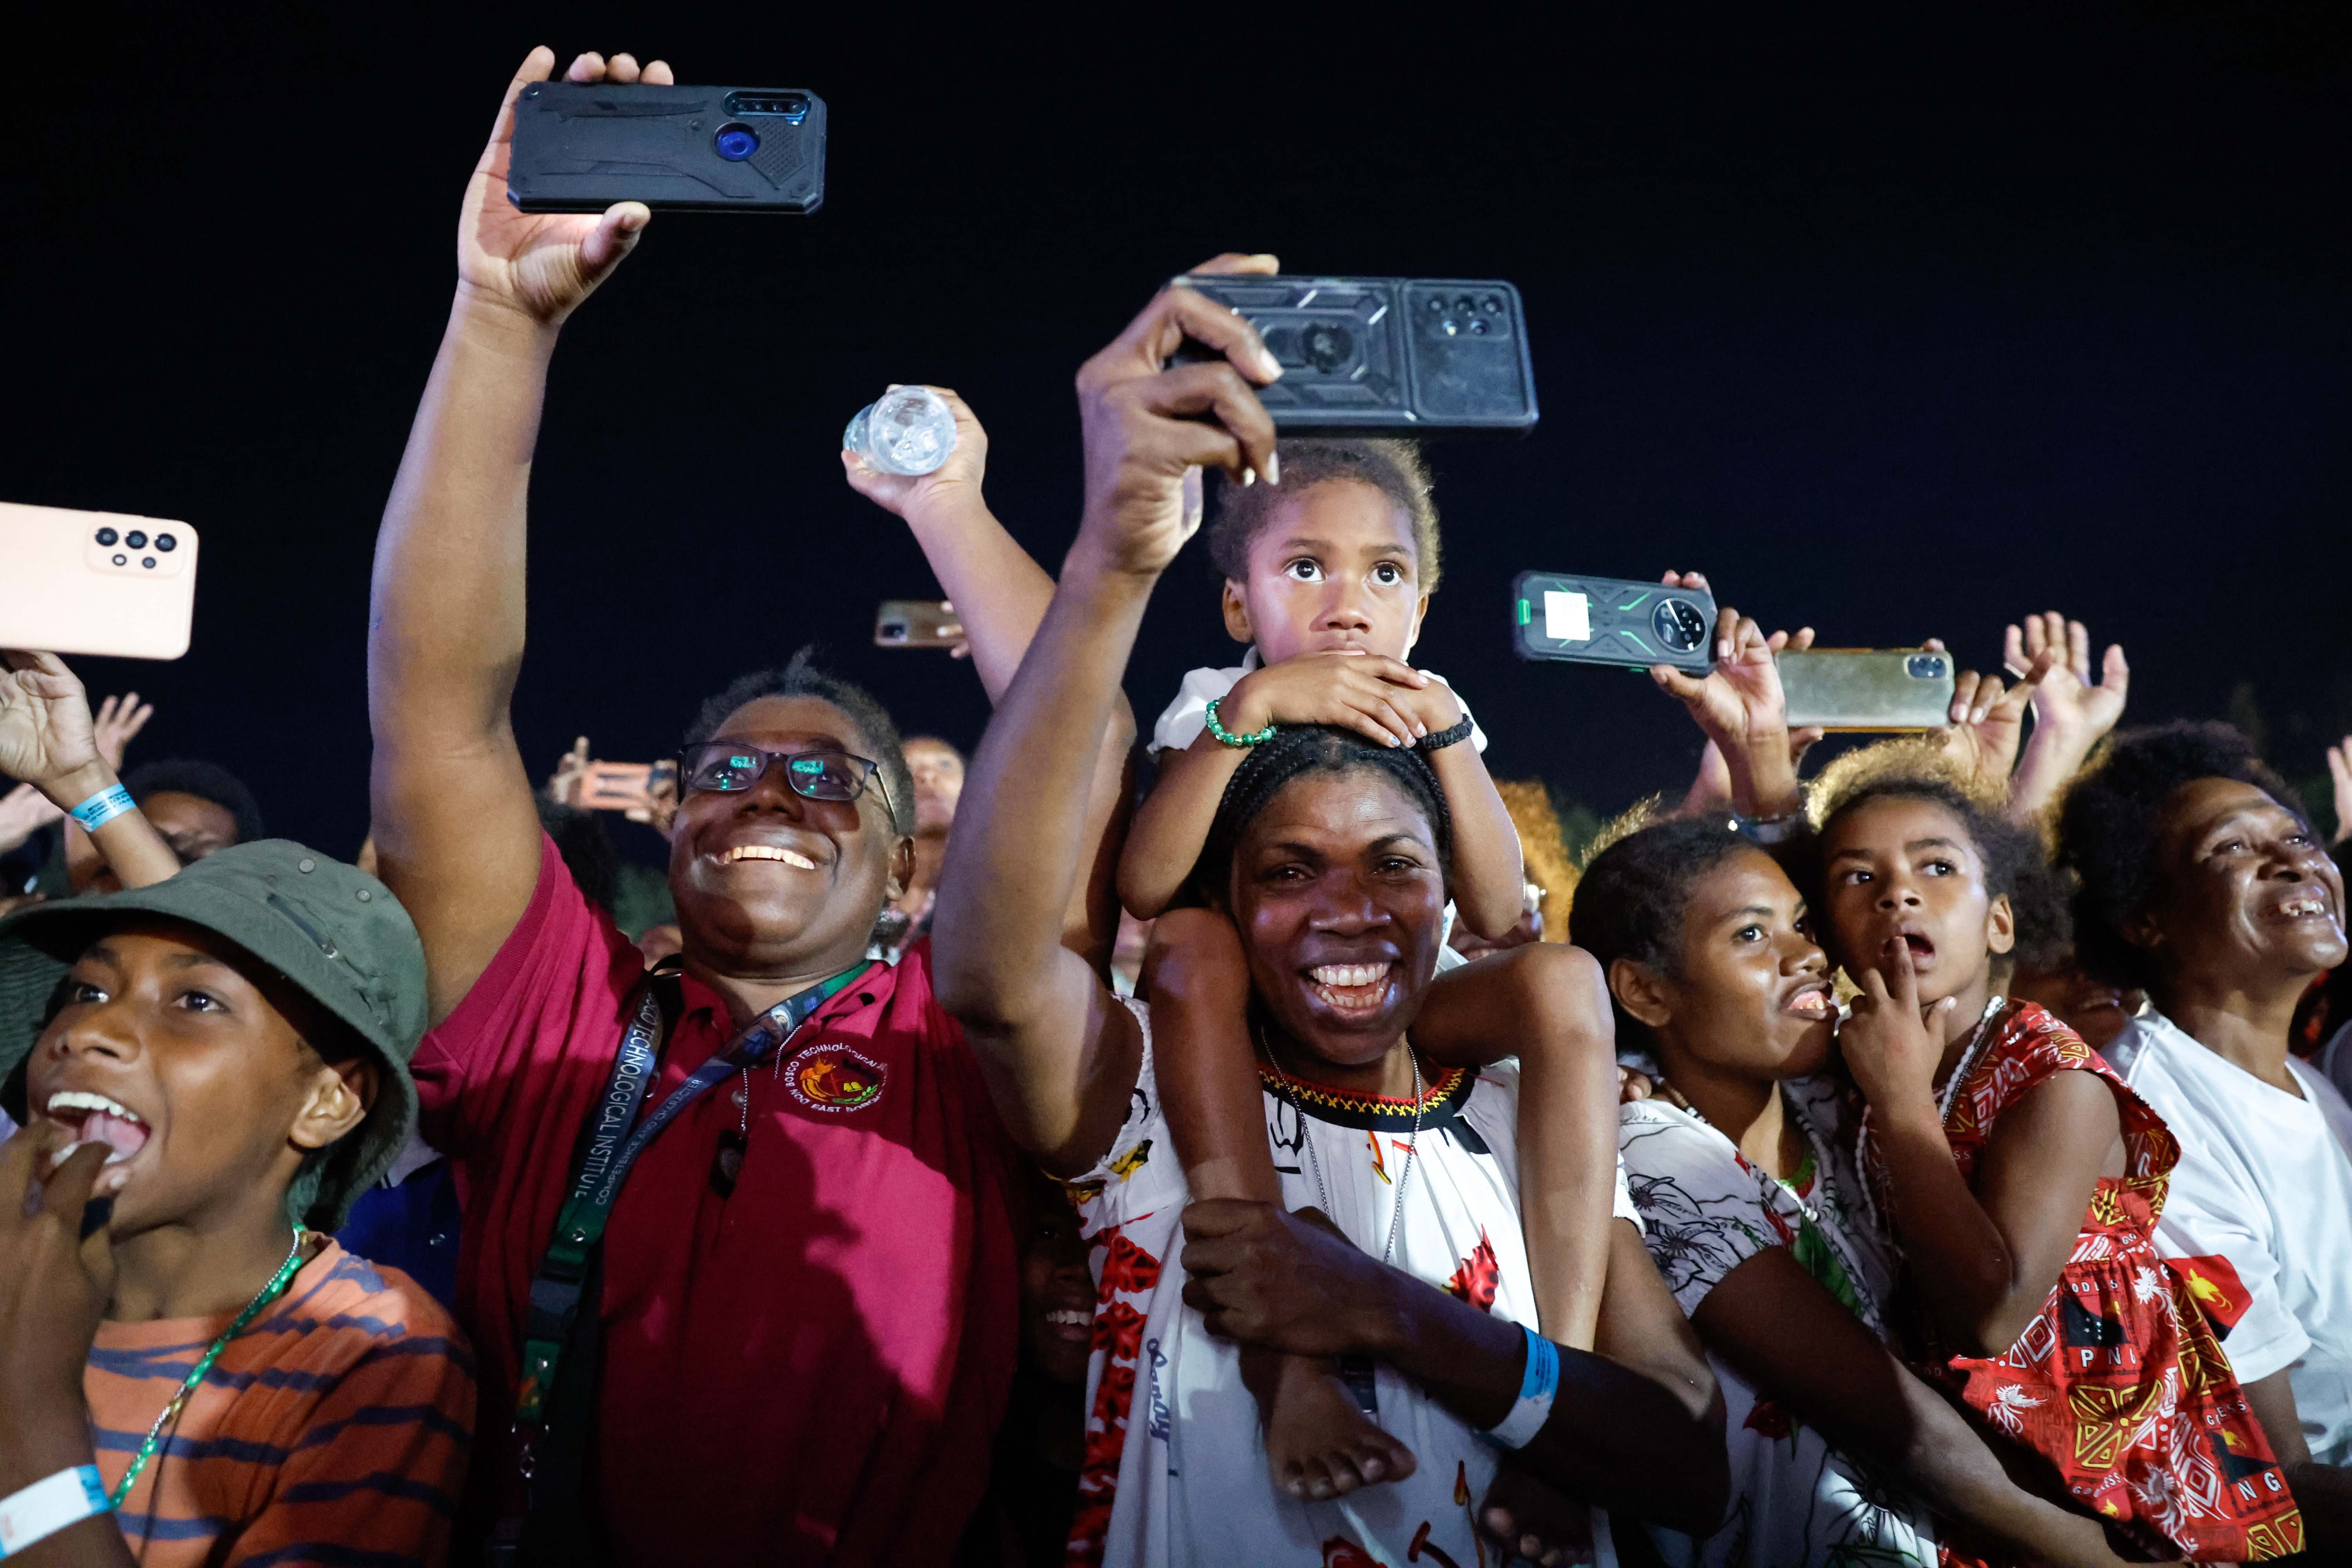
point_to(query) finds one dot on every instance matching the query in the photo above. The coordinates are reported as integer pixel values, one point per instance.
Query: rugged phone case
(1608, 620)
(74, 581)
(1867, 689)
(1417, 356)
(581, 146)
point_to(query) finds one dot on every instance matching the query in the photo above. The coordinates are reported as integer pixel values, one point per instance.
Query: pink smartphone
(95, 583)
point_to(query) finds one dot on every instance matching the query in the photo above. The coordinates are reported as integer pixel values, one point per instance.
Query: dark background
(1898, 321)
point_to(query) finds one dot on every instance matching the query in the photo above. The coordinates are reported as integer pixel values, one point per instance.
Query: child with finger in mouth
(2022, 1179)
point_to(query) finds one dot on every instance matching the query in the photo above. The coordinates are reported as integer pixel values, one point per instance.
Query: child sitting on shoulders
(1328, 576)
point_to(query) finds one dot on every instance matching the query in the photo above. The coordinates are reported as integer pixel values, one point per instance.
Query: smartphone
(916, 623)
(580, 146)
(615, 786)
(1867, 689)
(95, 583)
(1403, 356)
(1612, 620)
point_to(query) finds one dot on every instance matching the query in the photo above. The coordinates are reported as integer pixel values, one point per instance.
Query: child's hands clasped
(1383, 698)
(1893, 1047)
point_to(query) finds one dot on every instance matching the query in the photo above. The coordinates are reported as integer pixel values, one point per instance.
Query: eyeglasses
(731, 767)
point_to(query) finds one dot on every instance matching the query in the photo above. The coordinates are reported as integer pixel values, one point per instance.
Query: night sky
(1898, 321)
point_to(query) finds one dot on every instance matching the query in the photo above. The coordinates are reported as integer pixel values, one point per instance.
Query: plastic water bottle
(907, 430)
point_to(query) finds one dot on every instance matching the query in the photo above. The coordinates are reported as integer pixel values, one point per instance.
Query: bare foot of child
(1318, 1442)
(1532, 1521)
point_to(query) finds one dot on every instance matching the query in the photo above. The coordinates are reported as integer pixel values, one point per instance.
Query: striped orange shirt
(334, 1430)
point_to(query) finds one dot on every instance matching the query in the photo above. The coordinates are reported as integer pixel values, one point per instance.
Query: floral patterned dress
(2120, 1382)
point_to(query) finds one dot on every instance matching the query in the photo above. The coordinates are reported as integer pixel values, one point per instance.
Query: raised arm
(2072, 712)
(49, 740)
(1060, 1053)
(455, 831)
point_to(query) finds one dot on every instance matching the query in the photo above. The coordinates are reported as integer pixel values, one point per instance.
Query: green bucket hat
(332, 930)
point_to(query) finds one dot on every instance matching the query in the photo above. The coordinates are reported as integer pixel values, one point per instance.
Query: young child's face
(1906, 870)
(1334, 568)
(211, 1094)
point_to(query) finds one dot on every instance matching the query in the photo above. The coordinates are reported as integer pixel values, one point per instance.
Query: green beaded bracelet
(1254, 738)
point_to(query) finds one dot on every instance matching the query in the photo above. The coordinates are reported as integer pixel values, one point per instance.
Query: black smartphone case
(1407, 356)
(1608, 620)
(581, 146)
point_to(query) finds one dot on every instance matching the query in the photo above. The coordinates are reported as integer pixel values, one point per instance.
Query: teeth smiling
(1339, 974)
(769, 852)
(2302, 907)
(1068, 1318)
(81, 1100)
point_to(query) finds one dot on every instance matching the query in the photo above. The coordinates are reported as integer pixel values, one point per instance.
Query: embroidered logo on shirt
(833, 1077)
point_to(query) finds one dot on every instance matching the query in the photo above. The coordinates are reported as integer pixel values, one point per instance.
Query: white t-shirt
(2264, 1181)
(1185, 718)
(1705, 1212)
(1173, 1434)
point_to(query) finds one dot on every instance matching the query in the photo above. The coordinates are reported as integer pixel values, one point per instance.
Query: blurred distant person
(937, 771)
(200, 808)
(1033, 1489)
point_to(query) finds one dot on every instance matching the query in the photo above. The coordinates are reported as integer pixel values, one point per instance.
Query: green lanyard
(154, 1439)
(611, 1148)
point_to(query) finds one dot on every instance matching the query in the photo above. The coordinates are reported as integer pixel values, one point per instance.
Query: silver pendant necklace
(1315, 1165)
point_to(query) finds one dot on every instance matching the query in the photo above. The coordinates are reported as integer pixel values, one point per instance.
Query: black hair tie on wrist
(1438, 740)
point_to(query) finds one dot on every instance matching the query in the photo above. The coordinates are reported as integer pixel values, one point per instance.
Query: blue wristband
(103, 808)
(50, 1505)
(1538, 1384)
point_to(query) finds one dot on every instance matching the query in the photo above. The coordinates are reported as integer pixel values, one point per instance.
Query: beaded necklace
(262, 1298)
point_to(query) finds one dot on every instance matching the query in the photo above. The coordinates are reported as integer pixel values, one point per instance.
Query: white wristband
(1537, 1386)
(46, 1507)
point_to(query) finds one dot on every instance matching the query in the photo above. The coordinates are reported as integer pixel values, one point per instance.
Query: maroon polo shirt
(808, 1371)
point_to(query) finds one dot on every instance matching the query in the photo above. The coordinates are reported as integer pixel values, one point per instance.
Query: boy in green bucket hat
(208, 1068)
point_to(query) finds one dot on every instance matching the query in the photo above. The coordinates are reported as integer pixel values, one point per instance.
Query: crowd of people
(1250, 1139)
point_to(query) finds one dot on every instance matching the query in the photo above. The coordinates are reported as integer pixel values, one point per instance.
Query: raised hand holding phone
(1738, 704)
(543, 265)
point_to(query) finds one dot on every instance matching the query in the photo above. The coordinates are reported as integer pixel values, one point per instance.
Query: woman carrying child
(1328, 574)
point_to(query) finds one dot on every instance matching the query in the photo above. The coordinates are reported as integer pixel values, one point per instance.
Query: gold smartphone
(1867, 689)
(95, 583)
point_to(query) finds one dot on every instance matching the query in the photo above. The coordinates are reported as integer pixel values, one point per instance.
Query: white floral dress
(1796, 1502)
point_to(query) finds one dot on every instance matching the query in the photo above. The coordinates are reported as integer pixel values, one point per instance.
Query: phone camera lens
(148, 562)
(136, 540)
(1465, 304)
(736, 142)
(1926, 666)
(106, 538)
(1678, 625)
(1437, 304)
(1494, 304)
(122, 559)
(1449, 326)
(1477, 329)
(1326, 346)
(167, 542)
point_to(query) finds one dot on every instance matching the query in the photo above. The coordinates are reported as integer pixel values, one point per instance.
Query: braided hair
(1636, 893)
(1296, 751)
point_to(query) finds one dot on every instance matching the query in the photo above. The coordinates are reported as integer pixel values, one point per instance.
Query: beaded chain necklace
(1872, 1168)
(178, 1401)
